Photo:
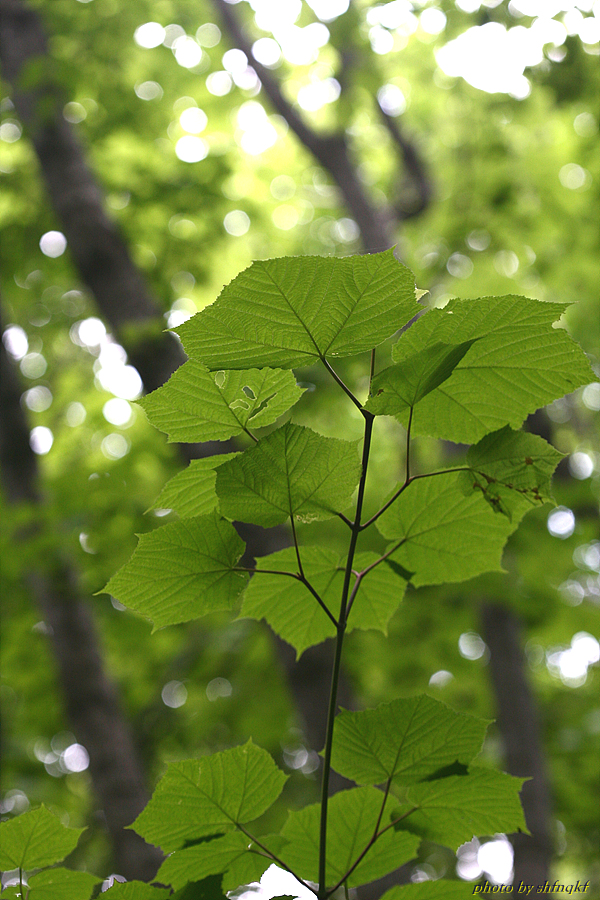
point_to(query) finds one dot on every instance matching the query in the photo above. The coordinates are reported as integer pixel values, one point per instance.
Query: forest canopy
(149, 152)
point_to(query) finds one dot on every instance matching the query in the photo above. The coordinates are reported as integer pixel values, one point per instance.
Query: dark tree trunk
(520, 730)
(95, 243)
(90, 697)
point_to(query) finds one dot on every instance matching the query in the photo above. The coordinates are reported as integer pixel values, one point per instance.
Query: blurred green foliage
(508, 216)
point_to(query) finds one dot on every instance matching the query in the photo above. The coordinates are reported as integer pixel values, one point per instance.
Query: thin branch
(376, 836)
(298, 577)
(254, 571)
(406, 484)
(296, 546)
(372, 368)
(321, 603)
(346, 389)
(323, 893)
(273, 856)
(441, 472)
(386, 505)
(417, 176)
(361, 575)
(250, 435)
(408, 428)
(346, 520)
(377, 226)
(313, 141)
(359, 578)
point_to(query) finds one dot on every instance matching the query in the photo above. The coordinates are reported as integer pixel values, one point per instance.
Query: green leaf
(192, 491)
(182, 571)
(291, 311)
(518, 363)
(136, 890)
(352, 818)
(234, 854)
(207, 889)
(292, 471)
(34, 839)
(250, 867)
(406, 740)
(62, 884)
(453, 810)
(211, 795)
(292, 611)
(198, 405)
(401, 386)
(508, 466)
(431, 890)
(447, 536)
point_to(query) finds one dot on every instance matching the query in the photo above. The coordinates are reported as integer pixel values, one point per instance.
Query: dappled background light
(492, 858)
(561, 522)
(53, 244)
(203, 174)
(275, 882)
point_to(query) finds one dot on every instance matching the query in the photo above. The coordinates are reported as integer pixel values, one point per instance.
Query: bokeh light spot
(561, 522)
(218, 687)
(148, 90)
(174, 694)
(115, 446)
(41, 440)
(15, 341)
(117, 411)
(193, 120)
(191, 149)
(236, 222)
(149, 35)
(53, 244)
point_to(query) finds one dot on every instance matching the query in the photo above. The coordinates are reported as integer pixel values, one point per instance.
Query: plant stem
(408, 428)
(406, 484)
(296, 546)
(376, 835)
(341, 628)
(344, 387)
(299, 577)
(270, 855)
(250, 435)
(361, 575)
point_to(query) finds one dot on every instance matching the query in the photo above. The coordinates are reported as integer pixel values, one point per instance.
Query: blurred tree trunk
(90, 697)
(520, 730)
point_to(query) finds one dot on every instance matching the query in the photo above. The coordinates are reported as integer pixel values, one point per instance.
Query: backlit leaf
(292, 611)
(63, 884)
(291, 311)
(198, 405)
(401, 386)
(292, 471)
(453, 810)
(192, 491)
(34, 839)
(182, 571)
(447, 535)
(234, 855)
(352, 819)
(518, 363)
(210, 795)
(249, 867)
(407, 740)
(508, 466)
(135, 890)
(430, 890)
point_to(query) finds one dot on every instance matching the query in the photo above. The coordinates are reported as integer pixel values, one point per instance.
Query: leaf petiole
(272, 856)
